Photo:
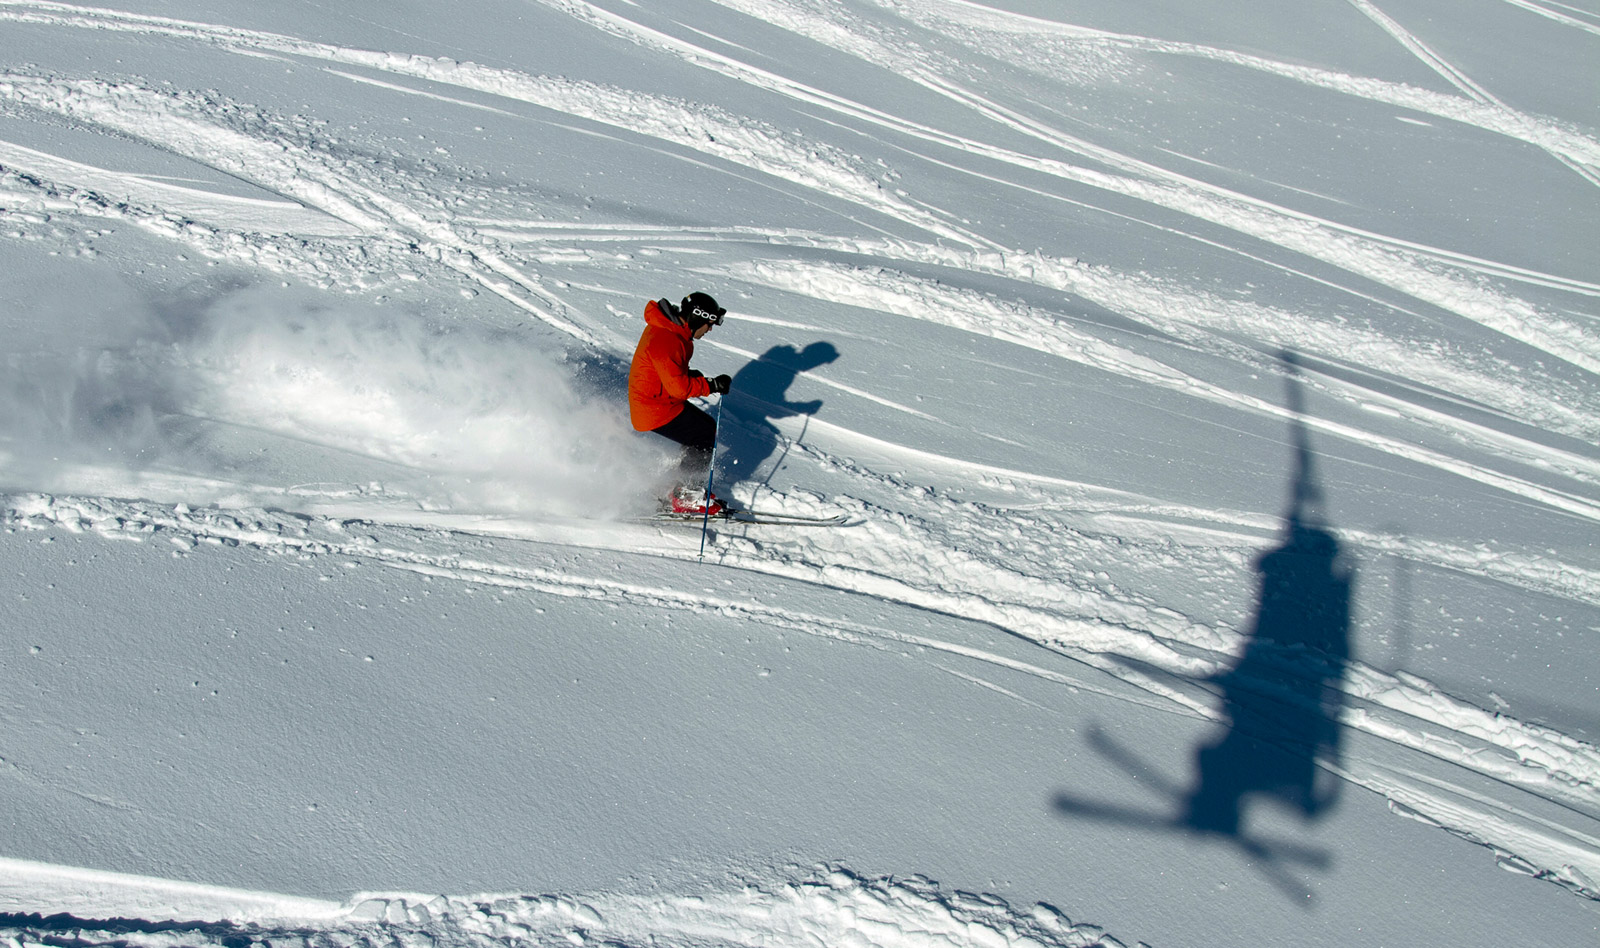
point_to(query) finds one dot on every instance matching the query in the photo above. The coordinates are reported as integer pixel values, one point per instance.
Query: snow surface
(1211, 390)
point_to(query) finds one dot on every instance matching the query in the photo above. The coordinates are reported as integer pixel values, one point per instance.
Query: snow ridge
(827, 906)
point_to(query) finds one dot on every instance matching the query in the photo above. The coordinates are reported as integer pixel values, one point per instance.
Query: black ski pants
(697, 432)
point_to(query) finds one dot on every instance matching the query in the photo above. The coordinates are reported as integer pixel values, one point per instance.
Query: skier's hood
(663, 315)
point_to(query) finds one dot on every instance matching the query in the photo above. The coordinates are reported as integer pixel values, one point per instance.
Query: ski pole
(705, 503)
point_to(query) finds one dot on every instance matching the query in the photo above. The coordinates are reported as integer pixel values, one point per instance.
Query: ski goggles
(712, 316)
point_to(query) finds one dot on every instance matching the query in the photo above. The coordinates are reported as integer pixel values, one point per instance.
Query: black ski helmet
(700, 309)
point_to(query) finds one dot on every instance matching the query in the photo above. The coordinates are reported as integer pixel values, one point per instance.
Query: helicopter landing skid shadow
(1273, 858)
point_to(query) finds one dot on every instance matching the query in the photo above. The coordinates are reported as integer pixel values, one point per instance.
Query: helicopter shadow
(1280, 701)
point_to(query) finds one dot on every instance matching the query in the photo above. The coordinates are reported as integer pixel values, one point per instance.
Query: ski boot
(694, 501)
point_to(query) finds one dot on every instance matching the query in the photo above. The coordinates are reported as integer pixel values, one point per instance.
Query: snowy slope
(1211, 391)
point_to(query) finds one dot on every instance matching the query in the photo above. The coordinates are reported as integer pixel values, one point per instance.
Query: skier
(660, 383)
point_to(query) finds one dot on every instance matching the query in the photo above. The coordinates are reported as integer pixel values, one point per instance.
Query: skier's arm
(676, 379)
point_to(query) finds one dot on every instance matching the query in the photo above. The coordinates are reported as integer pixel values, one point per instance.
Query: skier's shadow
(759, 395)
(1281, 701)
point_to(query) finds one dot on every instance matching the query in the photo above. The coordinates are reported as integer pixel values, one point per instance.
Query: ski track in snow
(1399, 264)
(1062, 613)
(1559, 17)
(1383, 260)
(340, 221)
(1455, 76)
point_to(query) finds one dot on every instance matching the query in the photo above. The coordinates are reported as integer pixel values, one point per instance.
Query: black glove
(721, 384)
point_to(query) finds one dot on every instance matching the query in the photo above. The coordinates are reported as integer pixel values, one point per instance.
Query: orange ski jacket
(659, 381)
